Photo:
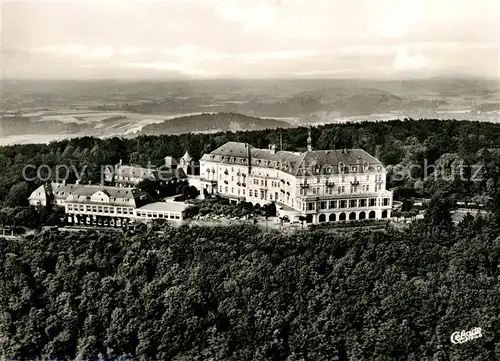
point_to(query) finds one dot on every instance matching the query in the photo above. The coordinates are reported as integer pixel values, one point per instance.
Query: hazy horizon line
(257, 78)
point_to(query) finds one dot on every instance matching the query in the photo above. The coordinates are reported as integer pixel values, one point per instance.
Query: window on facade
(322, 205)
(372, 202)
(70, 207)
(119, 210)
(311, 206)
(81, 207)
(318, 180)
(250, 193)
(362, 202)
(226, 189)
(232, 190)
(353, 203)
(220, 189)
(332, 204)
(94, 209)
(343, 204)
(386, 201)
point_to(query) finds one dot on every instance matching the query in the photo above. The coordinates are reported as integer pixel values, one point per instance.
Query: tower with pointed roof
(186, 162)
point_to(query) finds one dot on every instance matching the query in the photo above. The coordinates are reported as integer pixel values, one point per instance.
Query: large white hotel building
(322, 185)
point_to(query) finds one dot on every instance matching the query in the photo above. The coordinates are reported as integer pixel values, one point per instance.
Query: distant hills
(213, 122)
(130, 107)
(305, 98)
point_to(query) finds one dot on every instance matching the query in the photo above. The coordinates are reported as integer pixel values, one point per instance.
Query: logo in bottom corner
(465, 336)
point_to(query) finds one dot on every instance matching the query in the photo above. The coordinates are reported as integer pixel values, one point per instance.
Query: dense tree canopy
(240, 293)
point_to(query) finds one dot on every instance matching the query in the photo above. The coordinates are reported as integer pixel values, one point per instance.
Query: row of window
(158, 215)
(99, 209)
(263, 182)
(240, 192)
(352, 203)
(365, 188)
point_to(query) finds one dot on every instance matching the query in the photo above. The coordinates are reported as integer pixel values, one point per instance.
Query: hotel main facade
(322, 185)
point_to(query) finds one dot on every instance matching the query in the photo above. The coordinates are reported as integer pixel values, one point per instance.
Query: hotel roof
(176, 207)
(305, 163)
(117, 195)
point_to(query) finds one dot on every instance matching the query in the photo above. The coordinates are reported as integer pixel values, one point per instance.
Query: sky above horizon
(250, 38)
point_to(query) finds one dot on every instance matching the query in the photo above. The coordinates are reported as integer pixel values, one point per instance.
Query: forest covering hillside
(239, 293)
(212, 122)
